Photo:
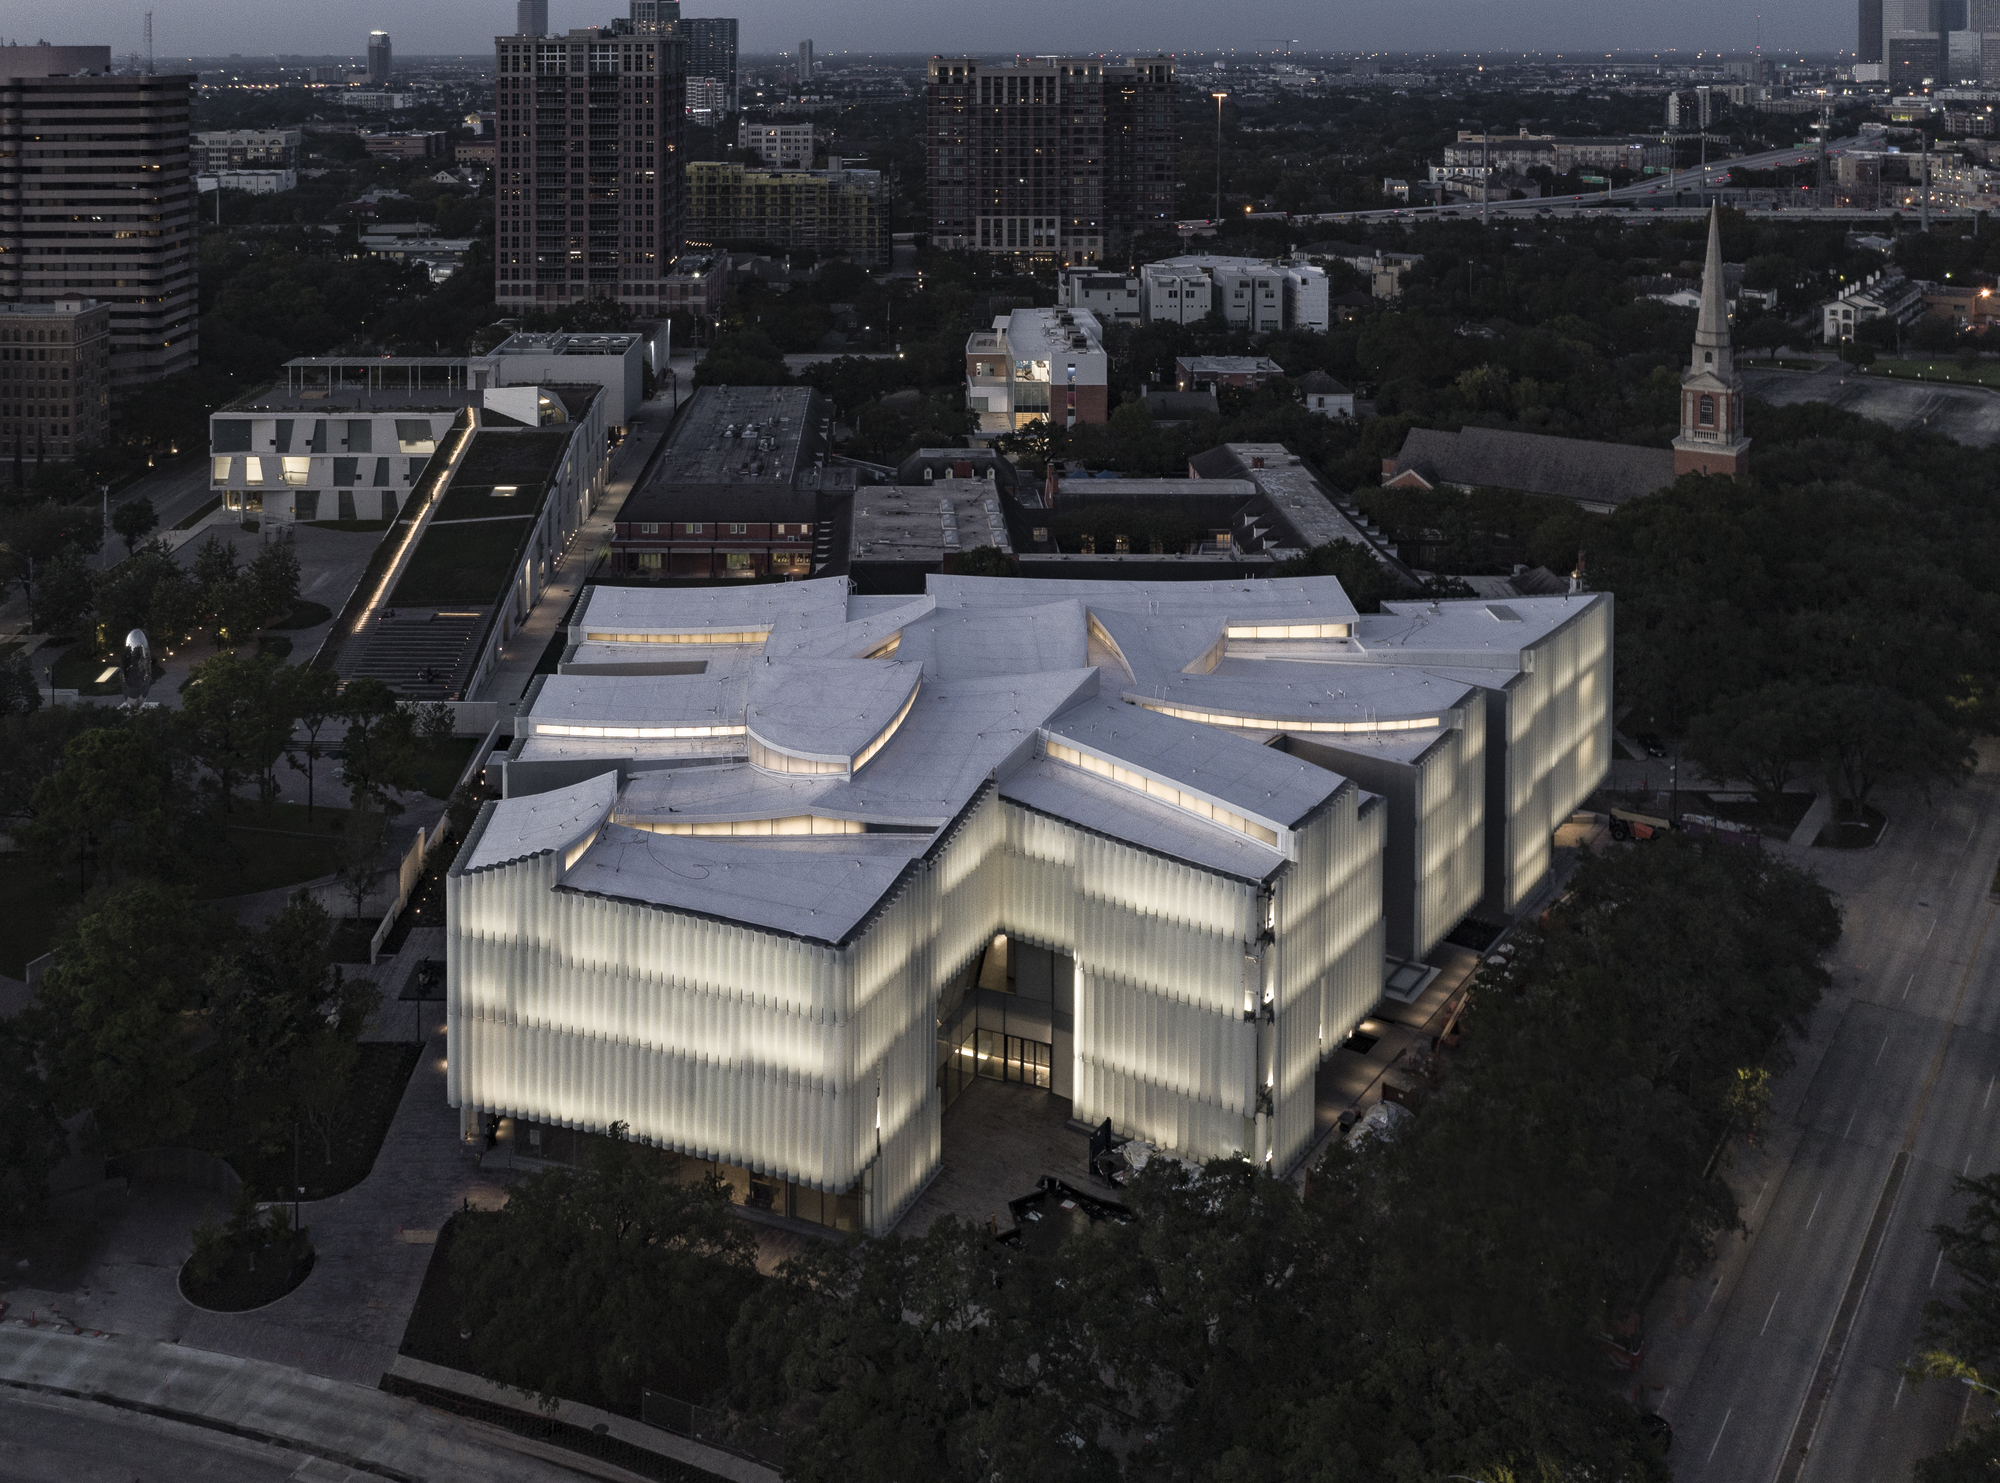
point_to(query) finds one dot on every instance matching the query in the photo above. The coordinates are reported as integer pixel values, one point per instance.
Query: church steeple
(1711, 330)
(1711, 440)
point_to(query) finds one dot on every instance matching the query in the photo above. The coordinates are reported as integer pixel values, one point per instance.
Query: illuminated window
(297, 470)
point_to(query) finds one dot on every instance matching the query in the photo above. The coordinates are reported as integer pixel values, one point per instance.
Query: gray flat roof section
(1103, 807)
(959, 643)
(815, 887)
(520, 828)
(737, 435)
(926, 522)
(1233, 770)
(787, 605)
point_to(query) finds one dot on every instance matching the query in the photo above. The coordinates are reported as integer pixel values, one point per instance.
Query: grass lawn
(78, 669)
(270, 847)
(252, 1275)
(461, 564)
(304, 614)
(438, 768)
(1985, 373)
(365, 1114)
(189, 522)
(33, 905)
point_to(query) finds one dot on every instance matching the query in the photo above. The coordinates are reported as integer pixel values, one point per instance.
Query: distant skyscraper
(590, 193)
(655, 12)
(711, 51)
(1061, 157)
(379, 58)
(1868, 46)
(65, 226)
(531, 17)
(805, 61)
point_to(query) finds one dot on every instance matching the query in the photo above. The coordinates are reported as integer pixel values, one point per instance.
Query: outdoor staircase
(418, 654)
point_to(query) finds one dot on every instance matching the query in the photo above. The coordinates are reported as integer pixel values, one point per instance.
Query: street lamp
(1218, 152)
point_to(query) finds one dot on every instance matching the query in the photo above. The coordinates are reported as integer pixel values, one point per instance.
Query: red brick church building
(1602, 476)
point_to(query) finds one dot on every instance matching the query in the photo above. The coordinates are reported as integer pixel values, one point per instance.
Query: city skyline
(209, 28)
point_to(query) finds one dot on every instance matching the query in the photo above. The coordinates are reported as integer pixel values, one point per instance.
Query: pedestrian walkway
(345, 1321)
(522, 653)
(350, 1425)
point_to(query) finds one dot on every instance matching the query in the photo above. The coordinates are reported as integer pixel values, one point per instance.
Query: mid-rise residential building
(707, 97)
(1691, 108)
(1037, 365)
(108, 211)
(55, 377)
(1519, 153)
(711, 52)
(780, 146)
(837, 211)
(381, 59)
(1112, 297)
(245, 149)
(1173, 295)
(1247, 292)
(406, 144)
(589, 186)
(1055, 157)
(250, 182)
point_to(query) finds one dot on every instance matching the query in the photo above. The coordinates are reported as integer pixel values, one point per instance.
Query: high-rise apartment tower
(380, 58)
(1065, 157)
(805, 62)
(589, 180)
(655, 12)
(1868, 45)
(107, 211)
(531, 17)
(711, 51)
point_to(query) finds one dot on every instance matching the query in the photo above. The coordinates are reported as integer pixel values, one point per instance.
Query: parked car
(1650, 740)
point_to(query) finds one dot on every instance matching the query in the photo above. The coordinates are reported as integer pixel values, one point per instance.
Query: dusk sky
(215, 27)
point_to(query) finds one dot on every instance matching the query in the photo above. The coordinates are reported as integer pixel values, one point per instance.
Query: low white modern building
(758, 847)
(1037, 365)
(1247, 292)
(1112, 297)
(251, 182)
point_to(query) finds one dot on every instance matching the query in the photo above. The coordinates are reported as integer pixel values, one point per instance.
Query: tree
(112, 807)
(18, 690)
(1872, 733)
(134, 521)
(280, 1014)
(33, 535)
(116, 1020)
(1961, 1335)
(380, 744)
(362, 837)
(599, 1281)
(1761, 737)
(985, 561)
(273, 578)
(32, 1138)
(1366, 581)
(309, 697)
(232, 714)
(61, 597)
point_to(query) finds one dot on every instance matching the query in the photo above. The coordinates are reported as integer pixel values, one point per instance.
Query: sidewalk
(523, 652)
(345, 1322)
(353, 1426)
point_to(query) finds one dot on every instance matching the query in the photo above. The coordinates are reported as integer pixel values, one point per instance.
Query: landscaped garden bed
(253, 1259)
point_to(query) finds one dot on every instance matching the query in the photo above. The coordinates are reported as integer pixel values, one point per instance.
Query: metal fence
(712, 1428)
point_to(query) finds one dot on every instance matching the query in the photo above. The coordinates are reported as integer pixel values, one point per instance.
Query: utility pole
(1486, 170)
(1218, 152)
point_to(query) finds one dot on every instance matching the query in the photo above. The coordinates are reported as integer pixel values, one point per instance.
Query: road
(1640, 193)
(1782, 1364)
(55, 1439)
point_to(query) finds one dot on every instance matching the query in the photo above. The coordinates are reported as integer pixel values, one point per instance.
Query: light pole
(1218, 152)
